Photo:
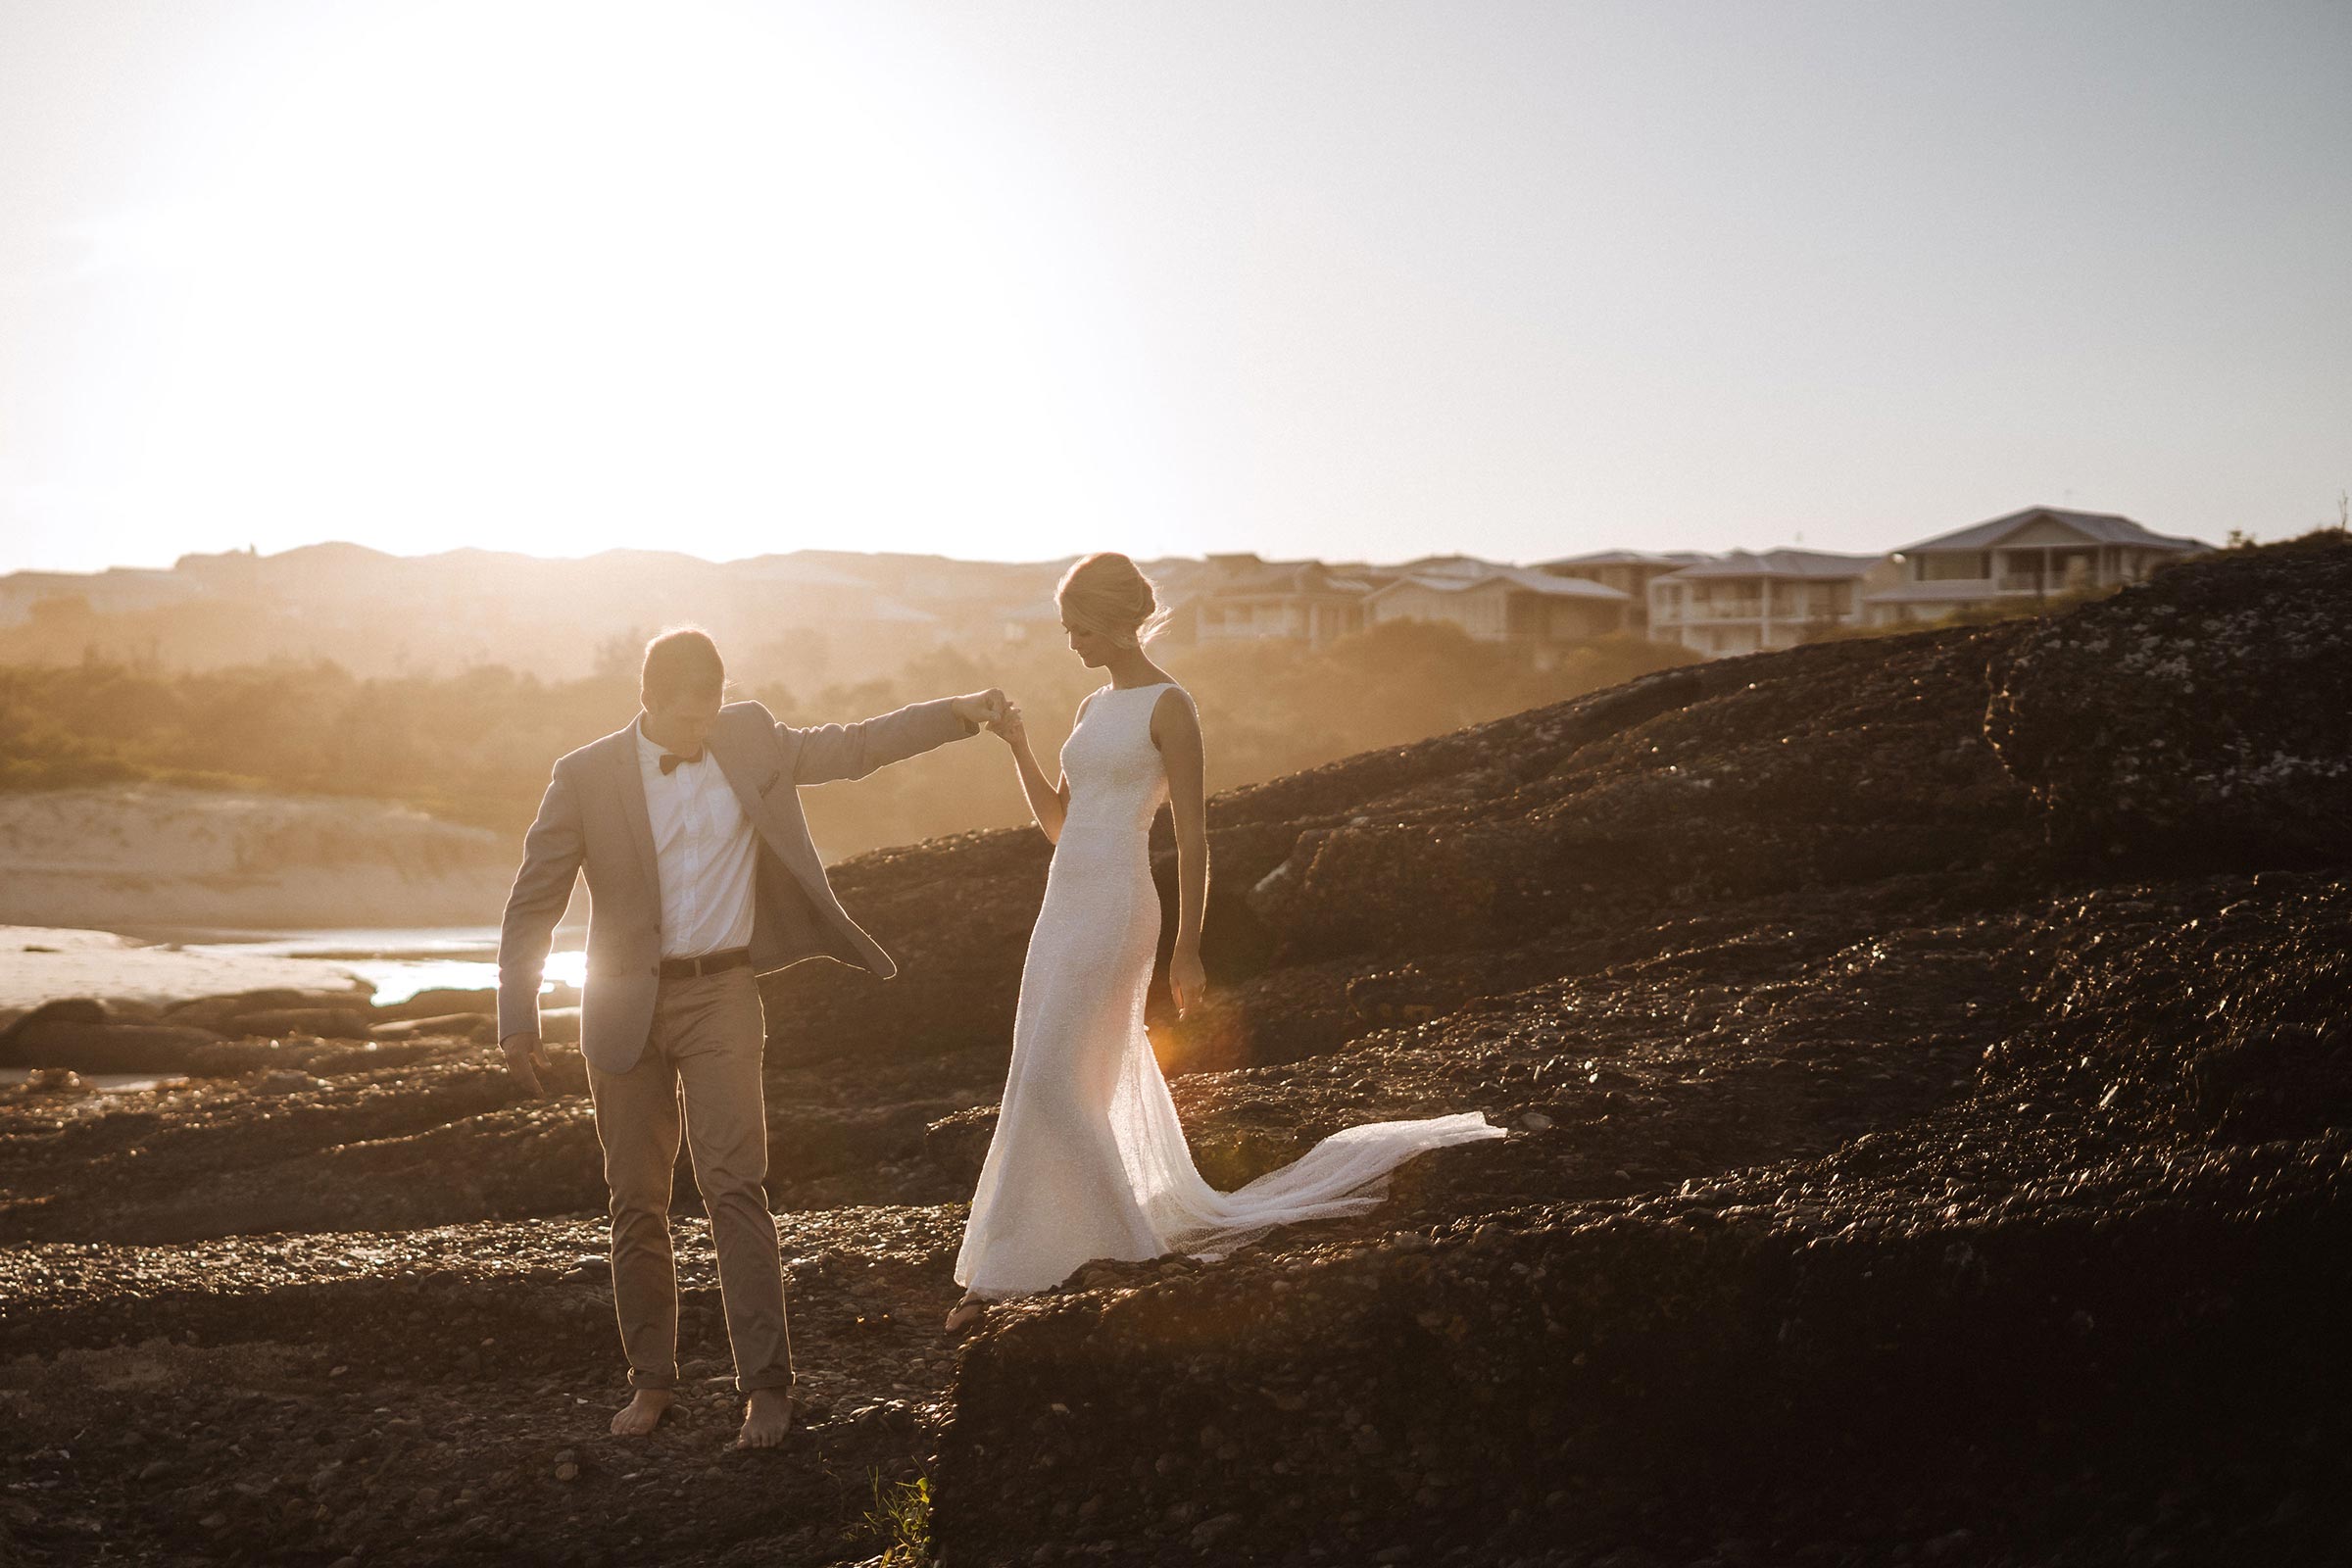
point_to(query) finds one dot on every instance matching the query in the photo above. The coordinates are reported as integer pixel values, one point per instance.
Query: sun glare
(562, 277)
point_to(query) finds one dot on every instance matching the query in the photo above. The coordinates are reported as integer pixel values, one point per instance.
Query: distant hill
(380, 615)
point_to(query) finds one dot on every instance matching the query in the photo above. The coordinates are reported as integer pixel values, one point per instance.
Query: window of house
(1953, 565)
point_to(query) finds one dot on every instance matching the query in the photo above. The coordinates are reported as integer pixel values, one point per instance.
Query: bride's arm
(1047, 803)
(1176, 731)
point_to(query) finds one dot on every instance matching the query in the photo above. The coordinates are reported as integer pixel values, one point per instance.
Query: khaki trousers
(703, 1055)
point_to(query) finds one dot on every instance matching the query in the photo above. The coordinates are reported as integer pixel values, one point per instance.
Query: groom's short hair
(682, 658)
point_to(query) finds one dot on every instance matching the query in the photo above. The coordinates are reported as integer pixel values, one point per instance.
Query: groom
(700, 876)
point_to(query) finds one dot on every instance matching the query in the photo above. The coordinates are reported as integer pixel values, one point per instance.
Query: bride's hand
(1188, 981)
(1007, 723)
(978, 708)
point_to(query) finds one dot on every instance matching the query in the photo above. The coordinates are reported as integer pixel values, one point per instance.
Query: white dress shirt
(703, 845)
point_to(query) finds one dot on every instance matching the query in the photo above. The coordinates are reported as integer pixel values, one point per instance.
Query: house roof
(1803, 563)
(1632, 557)
(1248, 578)
(2100, 527)
(1448, 566)
(1531, 581)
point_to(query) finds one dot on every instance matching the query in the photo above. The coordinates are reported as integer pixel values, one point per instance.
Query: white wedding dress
(1089, 1160)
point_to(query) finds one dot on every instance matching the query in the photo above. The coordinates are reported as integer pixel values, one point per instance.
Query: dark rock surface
(1931, 1108)
(2204, 718)
(103, 1047)
(328, 1023)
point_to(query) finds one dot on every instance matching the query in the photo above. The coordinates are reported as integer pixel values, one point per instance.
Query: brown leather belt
(706, 963)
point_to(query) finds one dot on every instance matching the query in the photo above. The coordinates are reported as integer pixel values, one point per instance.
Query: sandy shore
(43, 963)
(142, 856)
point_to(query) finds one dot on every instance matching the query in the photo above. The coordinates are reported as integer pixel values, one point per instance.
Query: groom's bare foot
(642, 1413)
(767, 1416)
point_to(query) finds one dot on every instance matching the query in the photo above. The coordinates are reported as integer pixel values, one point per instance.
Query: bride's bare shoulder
(1173, 713)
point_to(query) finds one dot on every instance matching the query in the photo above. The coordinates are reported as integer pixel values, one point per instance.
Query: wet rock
(215, 1012)
(66, 1010)
(479, 1027)
(326, 1023)
(103, 1047)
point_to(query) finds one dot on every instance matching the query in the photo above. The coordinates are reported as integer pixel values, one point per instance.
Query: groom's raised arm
(551, 863)
(853, 750)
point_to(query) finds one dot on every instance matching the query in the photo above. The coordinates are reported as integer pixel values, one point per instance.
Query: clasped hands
(991, 709)
(981, 709)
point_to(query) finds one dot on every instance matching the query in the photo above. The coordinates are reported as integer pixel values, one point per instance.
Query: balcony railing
(1794, 614)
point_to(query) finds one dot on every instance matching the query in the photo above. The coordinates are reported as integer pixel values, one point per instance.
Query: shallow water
(399, 962)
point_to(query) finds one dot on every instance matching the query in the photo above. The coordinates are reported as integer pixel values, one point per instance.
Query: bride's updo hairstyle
(1105, 593)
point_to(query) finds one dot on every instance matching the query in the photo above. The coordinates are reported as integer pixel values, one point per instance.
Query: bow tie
(671, 759)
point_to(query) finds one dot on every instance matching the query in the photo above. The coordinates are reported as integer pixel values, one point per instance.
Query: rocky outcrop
(1955, 1305)
(227, 1035)
(128, 1047)
(1927, 1144)
(2203, 719)
(2113, 1189)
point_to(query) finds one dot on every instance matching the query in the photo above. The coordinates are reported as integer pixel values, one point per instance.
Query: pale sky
(1013, 278)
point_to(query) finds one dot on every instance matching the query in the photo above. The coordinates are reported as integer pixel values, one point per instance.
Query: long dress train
(1089, 1160)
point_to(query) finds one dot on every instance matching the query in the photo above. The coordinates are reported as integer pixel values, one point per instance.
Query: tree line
(476, 747)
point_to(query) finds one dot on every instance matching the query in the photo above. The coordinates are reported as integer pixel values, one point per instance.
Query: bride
(1088, 1160)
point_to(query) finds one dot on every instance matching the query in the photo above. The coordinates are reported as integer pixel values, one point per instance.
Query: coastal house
(2026, 554)
(1504, 603)
(1748, 600)
(1628, 572)
(1241, 595)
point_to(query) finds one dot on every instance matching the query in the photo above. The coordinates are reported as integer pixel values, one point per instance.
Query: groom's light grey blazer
(594, 818)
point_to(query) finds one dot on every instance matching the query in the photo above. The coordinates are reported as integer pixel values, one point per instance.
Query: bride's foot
(964, 1313)
(642, 1413)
